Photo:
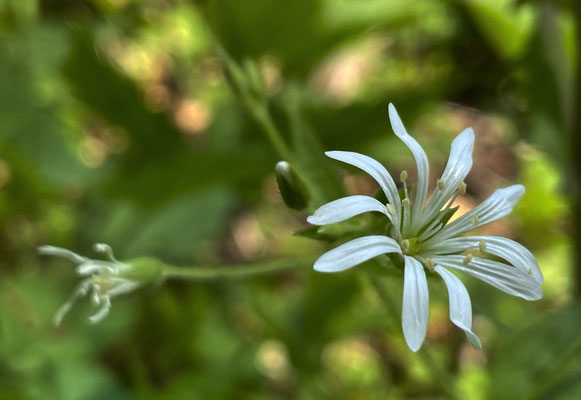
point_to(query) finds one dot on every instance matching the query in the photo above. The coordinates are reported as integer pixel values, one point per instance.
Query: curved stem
(239, 271)
(263, 119)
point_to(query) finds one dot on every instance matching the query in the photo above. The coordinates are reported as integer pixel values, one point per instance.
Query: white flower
(103, 279)
(420, 233)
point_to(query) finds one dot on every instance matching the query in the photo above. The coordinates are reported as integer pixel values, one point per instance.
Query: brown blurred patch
(342, 74)
(4, 173)
(248, 237)
(192, 116)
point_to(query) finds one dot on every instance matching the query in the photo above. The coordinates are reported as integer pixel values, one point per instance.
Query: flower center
(411, 246)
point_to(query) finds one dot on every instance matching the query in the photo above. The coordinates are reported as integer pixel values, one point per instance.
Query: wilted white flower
(420, 233)
(102, 279)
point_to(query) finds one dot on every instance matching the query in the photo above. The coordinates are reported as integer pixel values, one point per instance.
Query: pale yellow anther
(475, 220)
(462, 188)
(440, 184)
(405, 245)
(430, 264)
(406, 202)
(530, 271)
(467, 259)
(390, 209)
(482, 246)
(403, 176)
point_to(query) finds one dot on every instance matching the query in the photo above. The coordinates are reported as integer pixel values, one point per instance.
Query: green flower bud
(292, 189)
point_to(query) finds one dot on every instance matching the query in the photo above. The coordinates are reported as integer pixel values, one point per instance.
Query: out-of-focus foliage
(118, 125)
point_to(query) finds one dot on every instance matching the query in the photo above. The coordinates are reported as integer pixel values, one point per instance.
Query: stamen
(530, 271)
(440, 184)
(467, 259)
(406, 220)
(482, 246)
(390, 209)
(405, 245)
(462, 188)
(475, 220)
(403, 176)
(430, 264)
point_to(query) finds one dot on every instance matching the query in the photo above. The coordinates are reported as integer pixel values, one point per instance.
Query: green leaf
(540, 360)
(501, 19)
(173, 231)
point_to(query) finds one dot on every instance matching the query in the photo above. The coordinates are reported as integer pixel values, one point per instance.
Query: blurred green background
(118, 125)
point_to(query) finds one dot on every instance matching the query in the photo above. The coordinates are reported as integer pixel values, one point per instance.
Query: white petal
(122, 286)
(60, 252)
(460, 306)
(503, 277)
(80, 291)
(377, 172)
(498, 205)
(102, 312)
(513, 252)
(458, 166)
(94, 266)
(355, 252)
(89, 268)
(105, 249)
(345, 208)
(415, 307)
(420, 157)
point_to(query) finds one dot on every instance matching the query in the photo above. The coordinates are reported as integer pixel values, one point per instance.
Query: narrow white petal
(80, 291)
(498, 205)
(94, 266)
(345, 208)
(89, 268)
(102, 312)
(60, 252)
(375, 170)
(458, 166)
(420, 157)
(513, 252)
(460, 306)
(122, 286)
(105, 249)
(355, 252)
(503, 277)
(415, 307)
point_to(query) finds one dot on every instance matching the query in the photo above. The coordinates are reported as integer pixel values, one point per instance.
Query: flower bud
(292, 189)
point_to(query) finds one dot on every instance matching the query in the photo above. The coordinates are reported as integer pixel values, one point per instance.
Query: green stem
(239, 271)
(442, 377)
(262, 117)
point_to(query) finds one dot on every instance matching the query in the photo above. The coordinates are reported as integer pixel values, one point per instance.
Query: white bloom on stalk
(420, 233)
(102, 279)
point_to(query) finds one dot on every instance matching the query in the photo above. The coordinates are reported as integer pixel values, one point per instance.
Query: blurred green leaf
(502, 19)
(540, 360)
(32, 136)
(174, 230)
